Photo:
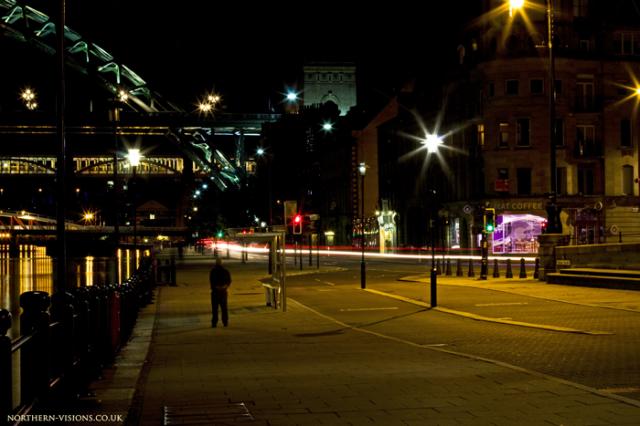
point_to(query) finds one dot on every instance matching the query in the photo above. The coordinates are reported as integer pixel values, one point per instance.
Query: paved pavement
(301, 367)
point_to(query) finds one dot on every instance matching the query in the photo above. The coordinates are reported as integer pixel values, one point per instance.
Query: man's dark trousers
(219, 299)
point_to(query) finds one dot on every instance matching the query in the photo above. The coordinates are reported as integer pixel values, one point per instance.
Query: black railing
(66, 340)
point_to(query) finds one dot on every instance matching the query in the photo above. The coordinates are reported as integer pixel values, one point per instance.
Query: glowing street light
(88, 217)
(123, 96)
(327, 126)
(515, 5)
(292, 96)
(432, 142)
(134, 157)
(28, 96)
(208, 105)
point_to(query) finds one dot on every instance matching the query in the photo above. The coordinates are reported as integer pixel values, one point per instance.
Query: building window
(561, 180)
(502, 182)
(559, 132)
(580, 8)
(625, 133)
(584, 95)
(627, 43)
(524, 181)
(627, 180)
(558, 87)
(585, 181)
(585, 140)
(480, 133)
(503, 137)
(537, 86)
(512, 87)
(585, 45)
(523, 136)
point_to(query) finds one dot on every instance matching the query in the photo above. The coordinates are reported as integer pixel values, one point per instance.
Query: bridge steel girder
(26, 24)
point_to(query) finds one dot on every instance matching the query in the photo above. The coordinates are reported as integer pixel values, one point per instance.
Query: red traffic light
(297, 224)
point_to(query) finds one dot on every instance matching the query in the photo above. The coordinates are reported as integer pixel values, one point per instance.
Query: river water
(32, 269)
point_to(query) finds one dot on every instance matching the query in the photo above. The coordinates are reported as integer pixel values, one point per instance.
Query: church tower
(334, 82)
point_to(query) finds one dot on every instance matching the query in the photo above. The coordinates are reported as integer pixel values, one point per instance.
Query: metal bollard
(536, 270)
(438, 267)
(459, 268)
(523, 273)
(509, 271)
(496, 270)
(34, 362)
(62, 312)
(447, 271)
(470, 272)
(172, 272)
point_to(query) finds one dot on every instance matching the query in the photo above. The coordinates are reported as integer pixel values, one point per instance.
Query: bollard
(447, 271)
(114, 319)
(34, 365)
(470, 272)
(523, 273)
(509, 271)
(172, 272)
(63, 337)
(82, 326)
(459, 268)
(536, 270)
(496, 270)
(438, 267)
(6, 385)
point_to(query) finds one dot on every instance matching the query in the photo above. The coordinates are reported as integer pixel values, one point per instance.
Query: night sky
(250, 51)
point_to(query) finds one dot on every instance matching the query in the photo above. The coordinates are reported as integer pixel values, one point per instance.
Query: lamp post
(636, 92)
(261, 152)
(362, 170)
(134, 160)
(432, 144)
(554, 226)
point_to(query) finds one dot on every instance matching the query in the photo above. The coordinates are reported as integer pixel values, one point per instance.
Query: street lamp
(362, 170)
(432, 143)
(261, 152)
(28, 96)
(134, 157)
(554, 226)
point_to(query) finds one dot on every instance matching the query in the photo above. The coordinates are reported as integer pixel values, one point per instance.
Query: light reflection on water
(34, 270)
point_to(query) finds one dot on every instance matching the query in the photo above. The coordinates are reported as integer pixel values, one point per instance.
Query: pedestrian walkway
(301, 368)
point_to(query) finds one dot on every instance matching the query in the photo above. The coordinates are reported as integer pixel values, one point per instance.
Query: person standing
(220, 280)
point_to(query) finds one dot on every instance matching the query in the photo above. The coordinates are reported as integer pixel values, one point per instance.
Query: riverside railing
(66, 340)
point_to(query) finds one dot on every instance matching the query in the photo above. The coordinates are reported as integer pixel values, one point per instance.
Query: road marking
(368, 309)
(490, 319)
(502, 304)
(324, 282)
(621, 390)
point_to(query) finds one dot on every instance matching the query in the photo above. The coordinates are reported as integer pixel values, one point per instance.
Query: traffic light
(297, 224)
(543, 226)
(489, 220)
